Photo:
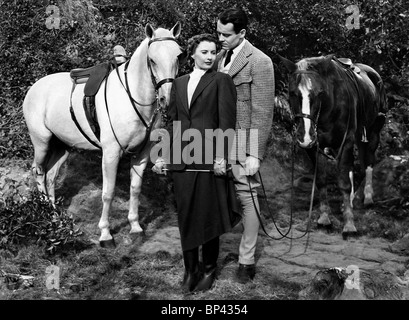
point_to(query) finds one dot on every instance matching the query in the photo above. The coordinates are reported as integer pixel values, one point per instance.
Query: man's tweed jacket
(253, 74)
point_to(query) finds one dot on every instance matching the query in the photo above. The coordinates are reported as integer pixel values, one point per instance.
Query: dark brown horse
(335, 106)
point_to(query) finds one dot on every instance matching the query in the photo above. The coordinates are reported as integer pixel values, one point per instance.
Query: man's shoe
(246, 272)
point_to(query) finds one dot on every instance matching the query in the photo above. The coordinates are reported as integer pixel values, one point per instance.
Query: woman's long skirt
(206, 204)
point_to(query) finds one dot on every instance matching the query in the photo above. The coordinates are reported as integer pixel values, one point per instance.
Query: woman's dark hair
(236, 16)
(194, 42)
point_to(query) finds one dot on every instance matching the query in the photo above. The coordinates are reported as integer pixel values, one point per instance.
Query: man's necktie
(228, 57)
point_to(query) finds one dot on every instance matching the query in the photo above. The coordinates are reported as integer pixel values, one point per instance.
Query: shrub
(36, 220)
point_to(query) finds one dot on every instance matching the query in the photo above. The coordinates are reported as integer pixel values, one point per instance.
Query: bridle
(302, 115)
(314, 123)
(157, 85)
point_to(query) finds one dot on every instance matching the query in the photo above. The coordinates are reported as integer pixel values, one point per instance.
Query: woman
(202, 100)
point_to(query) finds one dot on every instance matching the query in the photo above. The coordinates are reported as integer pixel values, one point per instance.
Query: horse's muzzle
(305, 140)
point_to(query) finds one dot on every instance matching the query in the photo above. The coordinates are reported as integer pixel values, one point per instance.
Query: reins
(318, 150)
(284, 235)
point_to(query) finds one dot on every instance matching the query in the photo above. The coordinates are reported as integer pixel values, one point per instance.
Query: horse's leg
(321, 186)
(367, 157)
(137, 169)
(57, 155)
(110, 161)
(345, 167)
(41, 152)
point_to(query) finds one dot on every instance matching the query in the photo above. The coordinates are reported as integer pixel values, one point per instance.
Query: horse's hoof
(108, 244)
(368, 203)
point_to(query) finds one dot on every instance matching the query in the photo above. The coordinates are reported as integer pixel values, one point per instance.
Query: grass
(124, 274)
(88, 272)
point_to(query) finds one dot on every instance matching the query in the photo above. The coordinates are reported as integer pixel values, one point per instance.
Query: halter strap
(304, 115)
(157, 85)
(161, 39)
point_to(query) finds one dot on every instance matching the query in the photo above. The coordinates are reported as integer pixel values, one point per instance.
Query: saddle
(92, 77)
(348, 64)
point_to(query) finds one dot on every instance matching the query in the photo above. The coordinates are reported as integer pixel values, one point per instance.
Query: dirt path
(298, 260)
(294, 261)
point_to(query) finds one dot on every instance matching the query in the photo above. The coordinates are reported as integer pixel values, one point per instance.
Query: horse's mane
(307, 64)
(321, 65)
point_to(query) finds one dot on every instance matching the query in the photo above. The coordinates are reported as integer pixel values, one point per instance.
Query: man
(253, 74)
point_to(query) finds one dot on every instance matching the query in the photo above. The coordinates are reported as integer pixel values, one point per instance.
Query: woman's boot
(210, 251)
(191, 276)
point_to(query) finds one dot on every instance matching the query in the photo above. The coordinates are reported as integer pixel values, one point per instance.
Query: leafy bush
(88, 31)
(35, 220)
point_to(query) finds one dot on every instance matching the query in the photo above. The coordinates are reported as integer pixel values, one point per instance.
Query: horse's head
(306, 93)
(164, 56)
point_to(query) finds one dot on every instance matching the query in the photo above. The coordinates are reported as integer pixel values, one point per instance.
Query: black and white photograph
(210, 158)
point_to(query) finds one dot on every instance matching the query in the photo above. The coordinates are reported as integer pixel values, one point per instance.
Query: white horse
(128, 106)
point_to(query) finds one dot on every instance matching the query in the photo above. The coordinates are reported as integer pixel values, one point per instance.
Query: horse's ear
(149, 31)
(176, 29)
(289, 65)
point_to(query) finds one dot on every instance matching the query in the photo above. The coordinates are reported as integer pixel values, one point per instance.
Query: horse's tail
(382, 98)
(381, 101)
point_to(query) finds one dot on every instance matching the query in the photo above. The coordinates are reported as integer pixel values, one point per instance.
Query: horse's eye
(152, 62)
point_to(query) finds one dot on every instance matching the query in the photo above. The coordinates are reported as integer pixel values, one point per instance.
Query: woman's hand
(219, 167)
(159, 166)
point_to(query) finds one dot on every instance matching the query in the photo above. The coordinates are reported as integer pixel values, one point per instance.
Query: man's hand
(251, 165)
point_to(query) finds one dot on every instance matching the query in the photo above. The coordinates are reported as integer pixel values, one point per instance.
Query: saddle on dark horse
(93, 78)
(348, 64)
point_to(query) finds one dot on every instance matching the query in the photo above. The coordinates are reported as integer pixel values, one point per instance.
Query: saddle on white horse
(93, 78)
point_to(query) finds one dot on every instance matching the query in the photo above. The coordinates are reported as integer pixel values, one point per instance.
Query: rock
(17, 281)
(355, 284)
(401, 246)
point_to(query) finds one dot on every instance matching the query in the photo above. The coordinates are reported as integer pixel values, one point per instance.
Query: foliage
(88, 30)
(35, 220)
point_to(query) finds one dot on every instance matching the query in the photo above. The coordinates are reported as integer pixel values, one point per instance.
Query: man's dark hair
(236, 16)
